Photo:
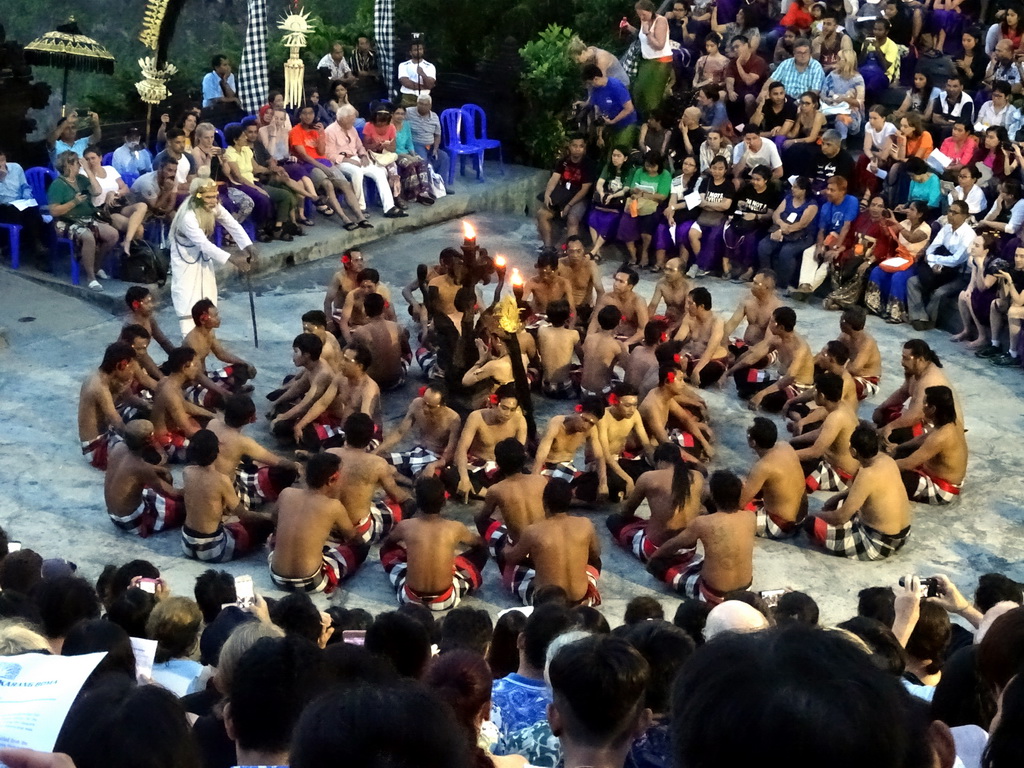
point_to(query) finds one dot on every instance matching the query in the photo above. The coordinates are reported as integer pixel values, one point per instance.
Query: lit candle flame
(467, 231)
(499, 261)
(517, 279)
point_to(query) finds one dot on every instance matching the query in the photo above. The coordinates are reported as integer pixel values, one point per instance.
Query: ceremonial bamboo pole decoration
(296, 25)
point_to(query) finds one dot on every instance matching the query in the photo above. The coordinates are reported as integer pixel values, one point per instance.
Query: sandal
(656, 269)
(305, 222)
(364, 224)
(350, 225)
(325, 210)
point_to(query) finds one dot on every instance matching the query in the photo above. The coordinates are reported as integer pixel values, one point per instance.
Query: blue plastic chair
(476, 130)
(39, 179)
(454, 126)
(219, 135)
(14, 235)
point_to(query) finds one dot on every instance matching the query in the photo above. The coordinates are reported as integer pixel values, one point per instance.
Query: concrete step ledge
(512, 193)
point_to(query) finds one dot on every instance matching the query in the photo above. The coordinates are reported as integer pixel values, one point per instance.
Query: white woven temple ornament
(296, 26)
(153, 86)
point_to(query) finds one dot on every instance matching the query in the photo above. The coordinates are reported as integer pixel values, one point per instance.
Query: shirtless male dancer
(362, 475)
(449, 282)
(142, 311)
(901, 416)
(642, 358)
(475, 469)
(342, 282)
(136, 398)
(628, 303)
(315, 322)
(775, 489)
(667, 421)
(825, 457)
(315, 377)
(212, 387)
(602, 352)
(353, 313)
(627, 448)
(673, 288)
(727, 536)
(352, 391)
(865, 364)
(703, 335)
(258, 475)
(210, 498)
(871, 521)
(756, 310)
(516, 499)
(99, 423)
(545, 287)
(563, 438)
(673, 493)
(435, 429)
(934, 465)
(303, 558)
(140, 496)
(795, 363)
(561, 550)
(800, 412)
(432, 561)
(389, 342)
(556, 345)
(175, 419)
(584, 276)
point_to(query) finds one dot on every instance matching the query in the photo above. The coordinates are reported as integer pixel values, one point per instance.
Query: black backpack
(143, 264)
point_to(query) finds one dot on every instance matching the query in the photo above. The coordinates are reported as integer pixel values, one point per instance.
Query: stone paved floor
(52, 501)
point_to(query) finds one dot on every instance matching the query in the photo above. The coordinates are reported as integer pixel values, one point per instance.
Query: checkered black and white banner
(253, 80)
(384, 32)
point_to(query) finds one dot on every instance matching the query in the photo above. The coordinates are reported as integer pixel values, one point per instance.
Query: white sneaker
(95, 286)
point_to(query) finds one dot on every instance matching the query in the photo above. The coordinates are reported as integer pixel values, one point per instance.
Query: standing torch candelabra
(296, 25)
(500, 265)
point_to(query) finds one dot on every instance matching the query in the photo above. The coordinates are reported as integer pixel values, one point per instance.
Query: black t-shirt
(750, 200)
(716, 193)
(773, 119)
(1017, 276)
(840, 165)
(572, 176)
(677, 147)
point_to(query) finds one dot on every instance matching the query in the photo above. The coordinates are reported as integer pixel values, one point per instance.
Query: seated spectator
(273, 202)
(975, 301)
(102, 728)
(952, 105)
(924, 186)
(755, 151)
(998, 155)
(775, 112)
(75, 216)
(566, 193)
(960, 148)
(187, 121)
(1004, 66)
(65, 133)
(14, 187)
(177, 149)
(345, 149)
(801, 73)
(830, 159)
(333, 65)
(102, 636)
(111, 197)
(425, 126)
(159, 189)
(272, 149)
(873, 244)
(911, 141)
(828, 47)
(879, 60)
(842, 94)
(17, 638)
(1006, 216)
(715, 145)
(648, 188)
(220, 94)
(804, 135)
(755, 205)
(919, 99)
(972, 62)
(132, 159)
(793, 230)
(1007, 309)
(924, 629)
(62, 603)
(940, 273)
(175, 624)
(999, 111)
(835, 234)
(408, 174)
(710, 69)
(712, 108)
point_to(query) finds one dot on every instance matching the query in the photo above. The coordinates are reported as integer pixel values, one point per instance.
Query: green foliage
(550, 82)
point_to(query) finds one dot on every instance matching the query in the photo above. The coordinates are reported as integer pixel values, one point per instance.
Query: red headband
(613, 399)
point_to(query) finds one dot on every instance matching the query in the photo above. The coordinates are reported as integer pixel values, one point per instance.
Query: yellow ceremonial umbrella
(67, 48)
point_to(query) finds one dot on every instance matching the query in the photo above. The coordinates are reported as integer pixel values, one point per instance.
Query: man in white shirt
(941, 274)
(952, 104)
(1006, 215)
(999, 111)
(334, 66)
(416, 76)
(344, 148)
(755, 151)
(132, 159)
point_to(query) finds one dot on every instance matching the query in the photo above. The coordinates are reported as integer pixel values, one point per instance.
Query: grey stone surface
(52, 501)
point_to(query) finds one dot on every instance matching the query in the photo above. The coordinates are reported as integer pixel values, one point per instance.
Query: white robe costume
(193, 262)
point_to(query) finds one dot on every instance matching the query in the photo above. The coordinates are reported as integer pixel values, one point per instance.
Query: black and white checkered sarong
(856, 540)
(253, 78)
(410, 463)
